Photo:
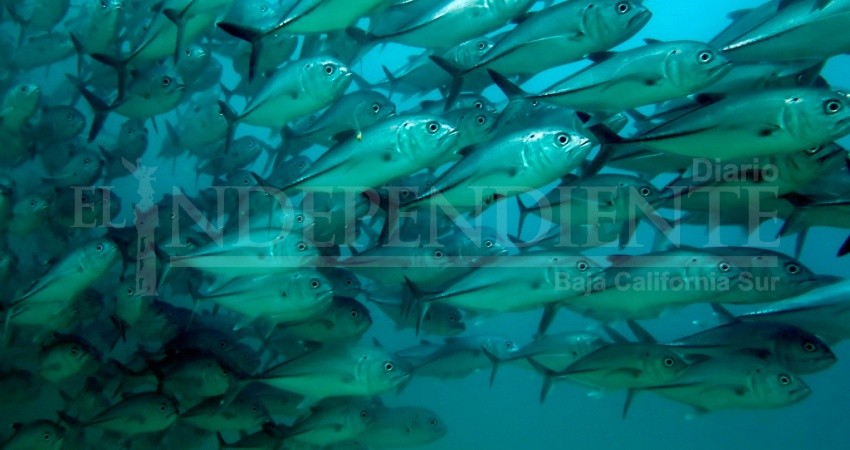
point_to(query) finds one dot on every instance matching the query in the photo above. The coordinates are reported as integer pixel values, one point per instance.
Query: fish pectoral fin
(768, 130)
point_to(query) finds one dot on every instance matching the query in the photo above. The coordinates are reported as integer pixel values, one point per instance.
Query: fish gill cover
(436, 224)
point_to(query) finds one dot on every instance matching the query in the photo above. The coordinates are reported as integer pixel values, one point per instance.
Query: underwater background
(509, 415)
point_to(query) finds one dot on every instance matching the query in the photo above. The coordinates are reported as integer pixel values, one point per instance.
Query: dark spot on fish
(764, 132)
(650, 82)
(387, 157)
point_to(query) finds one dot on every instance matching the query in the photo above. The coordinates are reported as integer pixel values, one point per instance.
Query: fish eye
(488, 243)
(354, 313)
(330, 69)
(405, 193)
(784, 379)
(376, 108)
(482, 45)
(364, 414)
(623, 7)
(438, 254)
(724, 267)
(104, 4)
(481, 120)
(131, 131)
(792, 268)
(299, 218)
(163, 407)
(251, 143)
(432, 421)
(669, 362)
(188, 52)
(254, 409)
(301, 246)
(478, 105)
(433, 127)
(645, 191)
(809, 346)
(705, 57)
(509, 344)
(349, 282)
(563, 139)
(99, 248)
(813, 150)
(388, 366)
(130, 291)
(315, 283)
(166, 81)
(69, 117)
(832, 106)
(264, 8)
(75, 350)
(452, 318)
(24, 89)
(582, 266)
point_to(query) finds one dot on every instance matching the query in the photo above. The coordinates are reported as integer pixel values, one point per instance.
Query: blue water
(508, 415)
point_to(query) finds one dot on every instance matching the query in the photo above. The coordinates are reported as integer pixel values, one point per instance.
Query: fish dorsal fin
(523, 17)
(723, 313)
(707, 98)
(345, 135)
(618, 259)
(651, 41)
(640, 332)
(615, 335)
(598, 57)
(466, 151)
(736, 15)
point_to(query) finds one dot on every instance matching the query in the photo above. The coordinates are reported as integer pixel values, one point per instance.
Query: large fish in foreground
(654, 73)
(802, 29)
(511, 165)
(738, 381)
(565, 33)
(749, 125)
(390, 149)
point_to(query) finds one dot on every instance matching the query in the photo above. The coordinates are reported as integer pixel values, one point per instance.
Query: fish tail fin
(794, 221)
(220, 440)
(548, 378)
(640, 332)
(495, 361)
(232, 120)
(630, 397)
(845, 248)
(549, 313)
(417, 301)
(524, 211)
(614, 335)
(253, 36)
(98, 106)
(121, 67)
(601, 131)
(723, 313)
(68, 419)
(509, 88)
(456, 73)
(392, 80)
(121, 326)
(171, 134)
(80, 49)
(179, 20)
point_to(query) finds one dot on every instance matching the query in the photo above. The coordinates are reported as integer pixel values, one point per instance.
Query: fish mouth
(643, 15)
(800, 392)
(720, 68)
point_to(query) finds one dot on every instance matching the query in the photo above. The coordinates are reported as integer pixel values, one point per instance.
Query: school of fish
(230, 309)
